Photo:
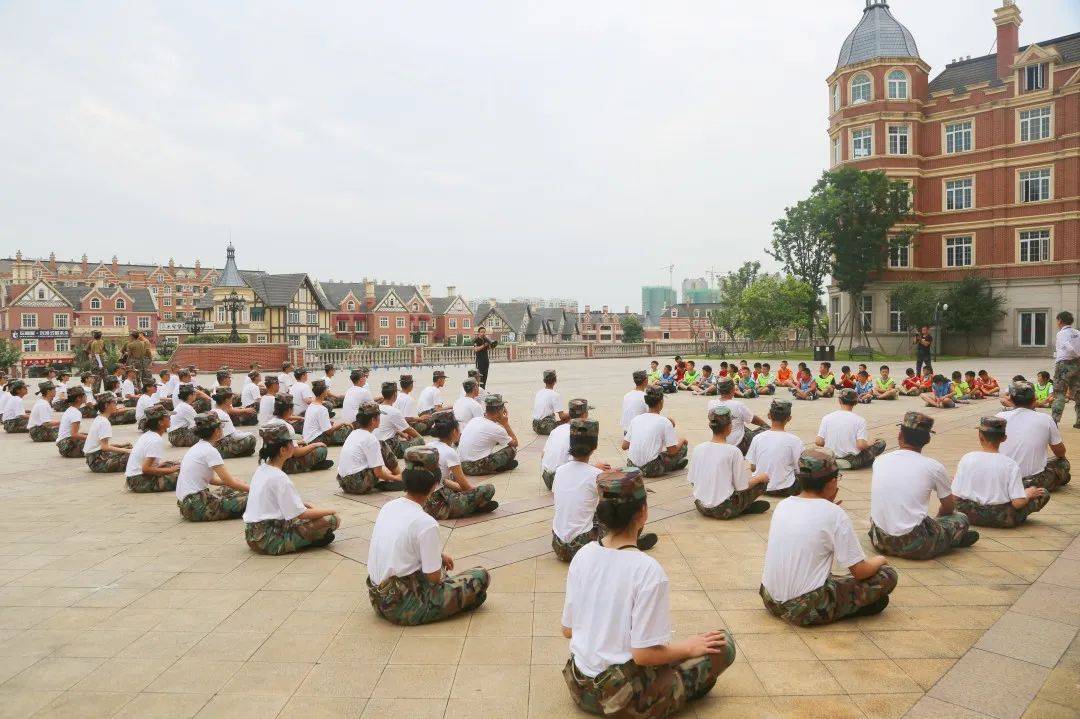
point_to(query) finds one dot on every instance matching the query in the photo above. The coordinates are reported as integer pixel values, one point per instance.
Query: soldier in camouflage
(72, 445)
(232, 443)
(206, 491)
(155, 475)
(305, 457)
(584, 439)
(364, 465)
(1066, 367)
(548, 406)
(558, 443)
(109, 457)
(45, 430)
(870, 450)
(1057, 471)
(455, 497)
(394, 431)
(123, 414)
(14, 416)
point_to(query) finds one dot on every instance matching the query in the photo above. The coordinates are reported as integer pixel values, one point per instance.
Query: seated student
(1029, 435)
(724, 371)
(488, 445)
(680, 369)
(1006, 401)
(393, 432)
(69, 437)
(775, 452)
(654, 372)
(927, 378)
(431, 397)
(940, 394)
(407, 584)
(122, 415)
(548, 412)
(182, 424)
(1044, 389)
(238, 414)
(317, 424)
(623, 662)
(232, 443)
(805, 388)
(89, 408)
(706, 382)
(129, 387)
(146, 399)
(784, 375)
(166, 388)
(456, 497)
(650, 440)
(825, 380)
(467, 407)
(690, 376)
(988, 385)
(335, 400)
(301, 392)
(276, 520)
(745, 386)
(899, 491)
(808, 532)
(633, 402)
(960, 389)
(741, 434)
(407, 406)
(846, 378)
(147, 470)
(251, 394)
(912, 385)
(723, 486)
(203, 466)
(885, 386)
(41, 426)
(266, 402)
(557, 448)
(766, 380)
(102, 455)
(864, 387)
(285, 377)
(357, 394)
(988, 487)
(303, 457)
(364, 463)
(844, 434)
(667, 380)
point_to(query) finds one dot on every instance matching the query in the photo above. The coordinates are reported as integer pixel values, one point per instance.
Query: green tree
(328, 342)
(9, 354)
(773, 304)
(917, 300)
(974, 308)
(801, 244)
(729, 313)
(632, 331)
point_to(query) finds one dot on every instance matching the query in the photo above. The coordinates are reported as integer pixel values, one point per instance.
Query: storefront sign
(41, 334)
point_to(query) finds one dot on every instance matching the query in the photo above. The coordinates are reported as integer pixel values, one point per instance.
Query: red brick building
(393, 315)
(688, 321)
(603, 325)
(991, 147)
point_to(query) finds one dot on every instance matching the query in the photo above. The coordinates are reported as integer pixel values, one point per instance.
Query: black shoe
(512, 464)
(491, 506)
(645, 542)
(385, 486)
(325, 464)
(969, 538)
(324, 541)
(871, 609)
(758, 507)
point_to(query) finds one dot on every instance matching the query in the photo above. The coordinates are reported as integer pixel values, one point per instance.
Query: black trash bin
(824, 353)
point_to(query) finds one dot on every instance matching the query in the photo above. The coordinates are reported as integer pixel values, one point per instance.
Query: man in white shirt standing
(489, 445)
(741, 417)
(650, 443)
(548, 412)
(431, 397)
(1066, 367)
(468, 407)
(844, 434)
(633, 402)
(1030, 433)
(807, 534)
(900, 524)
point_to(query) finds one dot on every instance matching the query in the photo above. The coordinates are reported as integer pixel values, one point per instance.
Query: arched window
(898, 85)
(861, 89)
(352, 306)
(95, 303)
(836, 97)
(120, 304)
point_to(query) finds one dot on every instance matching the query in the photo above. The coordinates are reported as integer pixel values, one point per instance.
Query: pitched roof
(877, 35)
(337, 291)
(440, 305)
(513, 314)
(141, 299)
(230, 276)
(272, 290)
(959, 76)
(597, 315)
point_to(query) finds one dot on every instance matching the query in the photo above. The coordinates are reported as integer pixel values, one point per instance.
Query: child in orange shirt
(988, 385)
(783, 375)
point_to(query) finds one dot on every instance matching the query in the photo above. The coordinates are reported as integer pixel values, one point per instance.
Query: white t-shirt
(988, 478)
(168, 389)
(39, 414)
(740, 417)
(481, 438)
(391, 422)
(149, 445)
(557, 448)
(405, 540)
(805, 536)
(285, 382)
(144, 401)
(227, 426)
(250, 395)
(1028, 437)
(100, 429)
(467, 409)
(448, 459)
(575, 499)
(546, 403)
(13, 408)
(71, 416)
(301, 393)
(616, 601)
(900, 488)
(272, 496)
(360, 451)
(777, 455)
(183, 416)
(840, 430)
(266, 409)
(354, 397)
(197, 468)
(633, 404)
(716, 472)
(649, 435)
(127, 388)
(316, 421)
(89, 390)
(405, 404)
(429, 398)
(1067, 345)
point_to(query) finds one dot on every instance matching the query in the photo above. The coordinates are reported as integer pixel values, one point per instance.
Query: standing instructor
(481, 345)
(1066, 367)
(923, 341)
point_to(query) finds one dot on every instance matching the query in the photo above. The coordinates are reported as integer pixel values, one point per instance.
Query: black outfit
(922, 352)
(482, 358)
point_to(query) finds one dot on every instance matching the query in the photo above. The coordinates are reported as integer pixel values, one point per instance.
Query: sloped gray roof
(958, 76)
(877, 35)
(141, 299)
(336, 291)
(230, 276)
(513, 313)
(439, 305)
(272, 290)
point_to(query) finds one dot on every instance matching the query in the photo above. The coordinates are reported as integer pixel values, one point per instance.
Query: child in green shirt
(690, 377)
(1044, 390)
(884, 385)
(766, 381)
(825, 380)
(961, 389)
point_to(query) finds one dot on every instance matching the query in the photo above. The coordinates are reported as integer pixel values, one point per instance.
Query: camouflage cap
(469, 385)
(493, 401)
(578, 407)
(780, 409)
(276, 433)
(584, 429)
(719, 417)
(208, 421)
(299, 372)
(105, 397)
(155, 412)
(253, 373)
(437, 375)
(425, 458)
(45, 387)
(992, 425)
(367, 410)
(621, 486)
(364, 370)
(184, 387)
(318, 387)
(549, 375)
(816, 463)
(76, 391)
(442, 420)
(1022, 392)
(222, 374)
(221, 394)
(16, 385)
(329, 367)
(849, 396)
(725, 385)
(918, 420)
(640, 376)
(473, 373)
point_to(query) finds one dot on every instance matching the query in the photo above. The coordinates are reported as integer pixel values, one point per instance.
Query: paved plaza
(112, 605)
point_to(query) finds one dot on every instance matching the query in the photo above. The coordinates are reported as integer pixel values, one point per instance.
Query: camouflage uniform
(71, 447)
(213, 504)
(999, 515)
(107, 461)
(16, 425)
(421, 425)
(748, 436)
(733, 506)
(1056, 474)
(297, 465)
(548, 476)
(931, 538)
(839, 597)
(362, 482)
(146, 483)
(414, 599)
(183, 437)
(662, 464)
(397, 446)
(335, 438)
(1066, 377)
(565, 551)
(122, 416)
(44, 433)
(445, 503)
(282, 536)
(239, 444)
(495, 462)
(544, 425)
(862, 459)
(790, 491)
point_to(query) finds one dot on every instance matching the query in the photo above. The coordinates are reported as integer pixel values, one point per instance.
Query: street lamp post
(195, 324)
(234, 303)
(938, 309)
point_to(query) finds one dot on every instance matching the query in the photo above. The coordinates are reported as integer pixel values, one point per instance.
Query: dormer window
(861, 89)
(898, 85)
(351, 306)
(1035, 77)
(95, 304)
(120, 304)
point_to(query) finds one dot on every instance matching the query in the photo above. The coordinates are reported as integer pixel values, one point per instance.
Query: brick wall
(236, 356)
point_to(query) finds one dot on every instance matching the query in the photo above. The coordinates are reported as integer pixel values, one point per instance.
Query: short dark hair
(205, 431)
(938, 379)
(1043, 373)
(419, 481)
(653, 400)
(582, 447)
(884, 366)
(389, 390)
(617, 516)
(1065, 317)
(915, 437)
(816, 484)
(706, 368)
(363, 421)
(185, 391)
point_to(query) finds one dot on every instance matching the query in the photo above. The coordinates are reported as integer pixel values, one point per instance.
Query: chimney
(114, 263)
(451, 291)
(1007, 18)
(369, 290)
(85, 265)
(425, 291)
(626, 309)
(52, 262)
(587, 308)
(605, 309)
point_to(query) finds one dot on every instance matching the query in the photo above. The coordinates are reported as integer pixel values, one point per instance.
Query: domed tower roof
(877, 35)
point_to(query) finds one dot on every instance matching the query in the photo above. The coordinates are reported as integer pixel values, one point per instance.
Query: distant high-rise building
(696, 290)
(654, 299)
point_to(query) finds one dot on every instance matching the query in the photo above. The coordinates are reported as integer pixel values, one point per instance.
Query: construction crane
(671, 276)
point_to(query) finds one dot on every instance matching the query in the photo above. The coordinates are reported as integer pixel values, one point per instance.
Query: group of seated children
(749, 381)
(938, 391)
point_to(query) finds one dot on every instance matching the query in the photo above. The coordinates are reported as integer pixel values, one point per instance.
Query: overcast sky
(555, 147)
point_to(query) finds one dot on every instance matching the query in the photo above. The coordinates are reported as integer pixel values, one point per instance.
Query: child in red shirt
(912, 387)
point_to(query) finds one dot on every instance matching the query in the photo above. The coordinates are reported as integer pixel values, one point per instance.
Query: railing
(362, 356)
(526, 353)
(449, 355)
(622, 349)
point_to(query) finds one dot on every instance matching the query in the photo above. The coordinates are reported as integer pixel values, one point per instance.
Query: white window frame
(837, 151)
(854, 98)
(294, 317)
(384, 322)
(1041, 239)
(898, 88)
(900, 256)
(835, 95)
(399, 323)
(466, 323)
(1035, 124)
(834, 311)
(902, 138)
(294, 340)
(166, 301)
(120, 303)
(674, 312)
(897, 322)
(144, 323)
(95, 303)
(953, 242)
(866, 312)
(61, 320)
(28, 321)
(1035, 77)
(861, 136)
(958, 196)
(313, 318)
(384, 340)
(342, 326)
(1036, 183)
(97, 321)
(351, 306)
(29, 346)
(62, 344)
(120, 321)
(451, 323)
(399, 340)
(1020, 327)
(313, 342)
(958, 137)
(261, 339)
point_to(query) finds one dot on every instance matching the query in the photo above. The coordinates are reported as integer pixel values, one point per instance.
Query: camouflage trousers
(839, 597)
(1066, 377)
(497, 461)
(445, 503)
(240, 444)
(147, 483)
(213, 504)
(632, 691)
(398, 445)
(361, 482)
(1056, 474)
(282, 536)
(544, 425)
(297, 465)
(931, 538)
(565, 551)
(183, 437)
(734, 505)
(71, 447)
(421, 424)
(106, 461)
(862, 459)
(662, 464)
(123, 416)
(88, 411)
(44, 433)
(389, 456)
(414, 599)
(548, 476)
(748, 436)
(999, 515)
(336, 437)
(767, 389)
(131, 402)
(16, 425)
(789, 491)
